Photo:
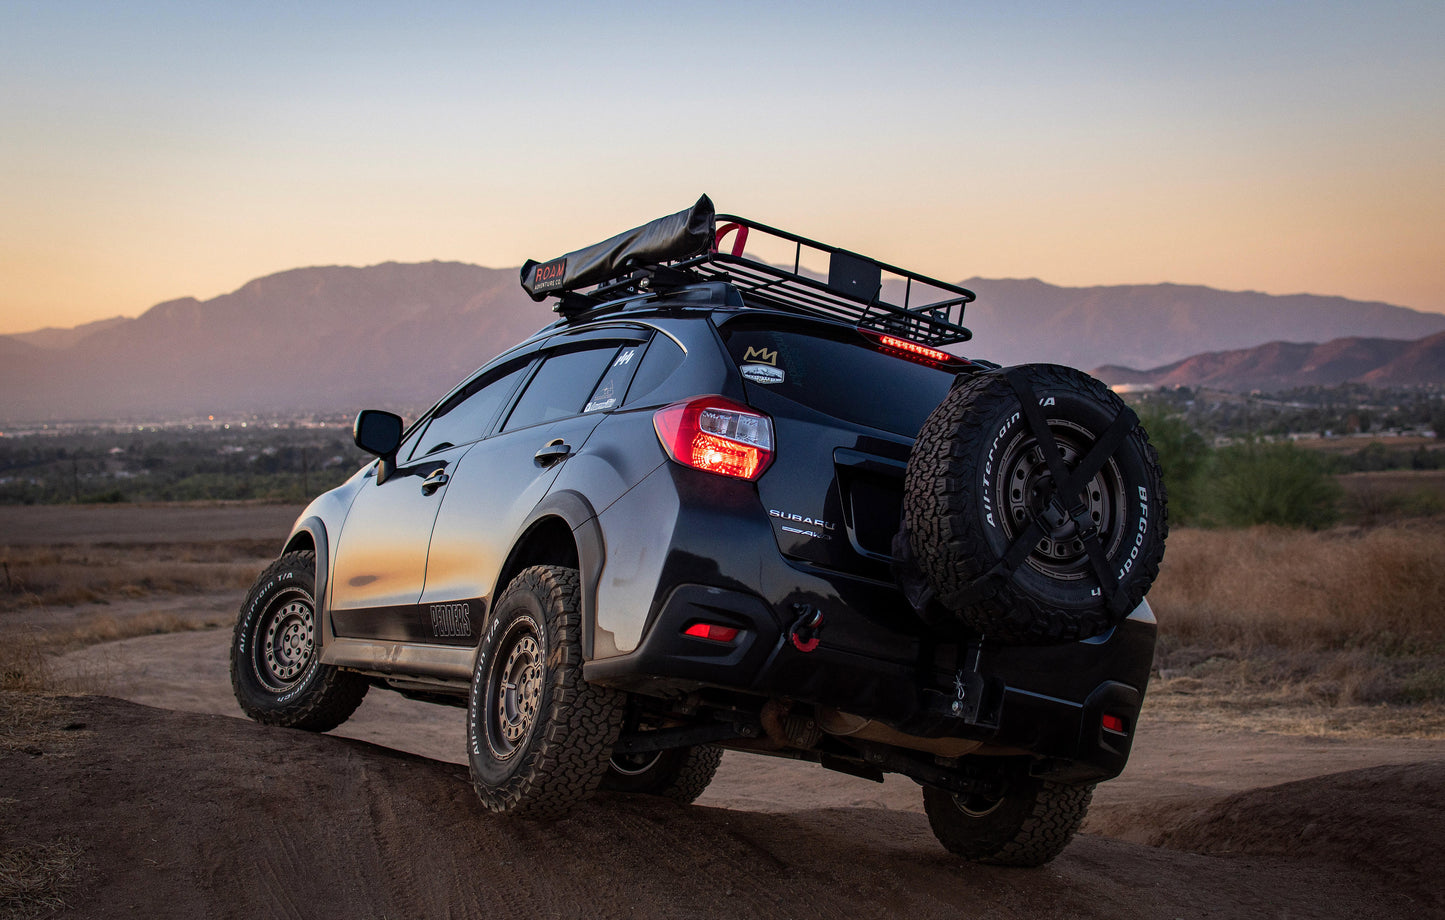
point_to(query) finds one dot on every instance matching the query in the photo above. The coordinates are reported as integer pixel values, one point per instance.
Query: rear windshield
(836, 372)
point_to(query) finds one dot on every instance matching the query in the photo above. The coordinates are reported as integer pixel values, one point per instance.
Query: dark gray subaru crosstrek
(723, 502)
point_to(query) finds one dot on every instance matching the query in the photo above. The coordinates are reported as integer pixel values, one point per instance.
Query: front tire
(1028, 826)
(276, 669)
(538, 735)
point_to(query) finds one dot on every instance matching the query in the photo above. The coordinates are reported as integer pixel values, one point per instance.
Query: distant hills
(312, 339)
(1284, 365)
(52, 337)
(398, 335)
(1146, 325)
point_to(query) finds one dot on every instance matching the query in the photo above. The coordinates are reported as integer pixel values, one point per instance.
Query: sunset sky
(155, 150)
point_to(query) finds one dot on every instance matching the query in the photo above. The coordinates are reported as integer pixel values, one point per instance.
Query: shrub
(1272, 484)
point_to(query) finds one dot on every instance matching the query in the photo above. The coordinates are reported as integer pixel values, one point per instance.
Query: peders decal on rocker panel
(451, 621)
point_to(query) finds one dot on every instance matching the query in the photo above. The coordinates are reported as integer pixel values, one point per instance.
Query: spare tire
(1030, 539)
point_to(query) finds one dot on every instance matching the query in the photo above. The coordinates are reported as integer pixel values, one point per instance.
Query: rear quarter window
(836, 372)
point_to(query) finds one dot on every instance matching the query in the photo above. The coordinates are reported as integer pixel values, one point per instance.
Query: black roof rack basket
(689, 246)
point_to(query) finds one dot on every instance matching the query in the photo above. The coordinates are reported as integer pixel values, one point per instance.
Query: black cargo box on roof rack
(686, 247)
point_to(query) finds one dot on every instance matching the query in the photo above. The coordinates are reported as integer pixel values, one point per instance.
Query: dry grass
(1381, 589)
(1375, 499)
(37, 721)
(23, 665)
(1267, 618)
(98, 573)
(35, 879)
(105, 628)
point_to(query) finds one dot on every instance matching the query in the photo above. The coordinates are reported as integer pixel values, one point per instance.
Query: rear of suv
(723, 503)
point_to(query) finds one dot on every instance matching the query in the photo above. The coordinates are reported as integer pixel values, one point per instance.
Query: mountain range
(1284, 365)
(399, 335)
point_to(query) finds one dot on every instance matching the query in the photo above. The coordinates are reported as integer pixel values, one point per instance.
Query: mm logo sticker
(761, 356)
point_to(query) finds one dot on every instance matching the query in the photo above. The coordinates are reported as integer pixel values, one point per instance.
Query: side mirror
(378, 433)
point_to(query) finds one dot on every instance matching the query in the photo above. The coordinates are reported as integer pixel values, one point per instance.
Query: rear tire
(680, 774)
(1028, 826)
(276, 669)
(538, 735)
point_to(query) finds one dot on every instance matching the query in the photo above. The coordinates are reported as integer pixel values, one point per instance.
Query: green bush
(1272, 484)
(1184, 459)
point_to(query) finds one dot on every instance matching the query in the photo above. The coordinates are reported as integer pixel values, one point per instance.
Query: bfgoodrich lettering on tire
(538, 735)
(276, 669)
(989, 522)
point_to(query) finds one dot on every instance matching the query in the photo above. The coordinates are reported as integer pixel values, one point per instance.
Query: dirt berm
(174, 814)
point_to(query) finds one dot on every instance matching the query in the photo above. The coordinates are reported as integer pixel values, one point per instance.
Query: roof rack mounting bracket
(855, 276)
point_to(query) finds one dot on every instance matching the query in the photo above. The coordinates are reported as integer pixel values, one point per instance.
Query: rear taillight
(716, 435)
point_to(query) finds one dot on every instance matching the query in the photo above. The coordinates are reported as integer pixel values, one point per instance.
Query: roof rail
(687, 247)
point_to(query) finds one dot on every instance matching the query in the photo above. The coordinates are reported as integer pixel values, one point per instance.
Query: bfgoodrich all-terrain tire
(276, 669)
(680, 774)
(981, 483)
(1028, 826)
(538, 735)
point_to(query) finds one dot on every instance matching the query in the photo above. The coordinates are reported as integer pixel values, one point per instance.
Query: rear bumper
(1047, 701)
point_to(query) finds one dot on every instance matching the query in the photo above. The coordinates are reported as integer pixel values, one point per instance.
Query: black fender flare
(314, 528)
(581, 518)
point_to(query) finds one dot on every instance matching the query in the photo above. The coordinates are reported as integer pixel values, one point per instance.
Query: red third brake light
(914, 351)
(716, 435)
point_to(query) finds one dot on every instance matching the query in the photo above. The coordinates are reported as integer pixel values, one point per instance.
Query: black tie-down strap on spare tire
(1065, 503)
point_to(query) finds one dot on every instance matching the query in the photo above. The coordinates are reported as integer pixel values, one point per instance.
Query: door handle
(435, 481)
(554, 451)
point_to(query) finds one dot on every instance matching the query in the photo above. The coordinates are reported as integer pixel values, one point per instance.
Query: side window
(612, 386)
(662, 358)
(560, 386)
(468, 414)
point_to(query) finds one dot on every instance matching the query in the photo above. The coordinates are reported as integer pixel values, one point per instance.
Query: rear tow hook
(804, 633)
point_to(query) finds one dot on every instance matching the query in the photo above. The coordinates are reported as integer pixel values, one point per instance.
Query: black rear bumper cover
(1047, 701)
